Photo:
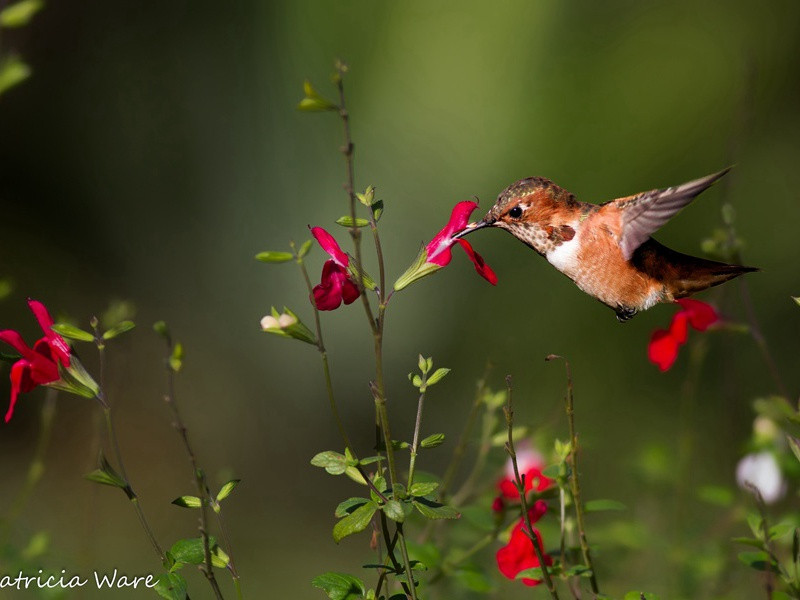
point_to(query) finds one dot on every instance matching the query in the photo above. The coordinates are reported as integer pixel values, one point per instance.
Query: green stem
(574, 479)
(415, 443)
(231, 565)
(520, 483)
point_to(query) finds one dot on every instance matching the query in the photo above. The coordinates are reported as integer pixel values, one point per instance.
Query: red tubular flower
(438, 250)
(38, 365)
(665, 343)
(518, 554)
(336, 285)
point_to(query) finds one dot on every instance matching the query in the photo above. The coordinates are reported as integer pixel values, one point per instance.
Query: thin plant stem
(463, 438)
(36, 468)
(415, 442)
(112, 437)
(199, 478)
(520, 483)
(575, 479)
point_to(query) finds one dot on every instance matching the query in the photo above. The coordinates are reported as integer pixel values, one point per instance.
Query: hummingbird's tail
(683, 275)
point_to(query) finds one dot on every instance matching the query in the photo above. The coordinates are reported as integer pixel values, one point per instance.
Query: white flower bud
(761, 471)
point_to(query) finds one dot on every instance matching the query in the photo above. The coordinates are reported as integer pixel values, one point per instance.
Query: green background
(157, 148)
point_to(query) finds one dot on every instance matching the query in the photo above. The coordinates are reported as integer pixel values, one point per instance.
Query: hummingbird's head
(523, 207)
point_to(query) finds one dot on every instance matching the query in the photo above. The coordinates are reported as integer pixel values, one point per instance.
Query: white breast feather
(564, 257)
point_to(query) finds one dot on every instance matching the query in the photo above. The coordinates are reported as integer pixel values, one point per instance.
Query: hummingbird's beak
(473, 227)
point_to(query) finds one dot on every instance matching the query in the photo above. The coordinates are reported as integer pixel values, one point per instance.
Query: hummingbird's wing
(644, 213)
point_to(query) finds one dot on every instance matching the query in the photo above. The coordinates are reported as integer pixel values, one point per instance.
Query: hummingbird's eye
(516, 212)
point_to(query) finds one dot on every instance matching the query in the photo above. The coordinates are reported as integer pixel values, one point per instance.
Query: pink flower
(665, 343)
(530, 464)
(438, 250)
(336, 286)
(38, 365)
(518, 554)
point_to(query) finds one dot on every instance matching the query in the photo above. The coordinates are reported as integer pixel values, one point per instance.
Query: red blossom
(336, 285)
(665, 343)
(530, 464)
(438, 250)
(38, 365)
(518, 554)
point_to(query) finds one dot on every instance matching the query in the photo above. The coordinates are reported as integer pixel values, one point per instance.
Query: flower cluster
(37, 365)
(518, 554)
(665, 343)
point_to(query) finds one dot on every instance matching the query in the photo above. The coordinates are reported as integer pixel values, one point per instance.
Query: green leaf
(578, 571)
(190, 551)
(275, 257)
(73, 333)
(355, 475)
(367, 197)
(499, 439)
(355, 522)
(423, 488)
(780, 530)
(305, 248)
(634, 595)
(348, 222)
(417, 270)
(106, 475)
(437, 376)
(377, 210)
(12, 72)
(160, 327)
(749, 542)
(171, 586)
(437, 439)
(313, 101)
(333, 462)
(176, 358)
(226, 489)
(37, 546)
(796, 300)
(219, 558)
(716, 495)
(118, 329)
(794, 444)
(340, 586)
(20, 13)
(532, 573)
(760, 561)
(434, 510)
(598, 505)
(188, 502)
(394, 510)
(416, 380)
(348, 506)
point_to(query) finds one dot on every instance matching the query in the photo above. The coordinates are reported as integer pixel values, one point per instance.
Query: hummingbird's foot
(625, 313)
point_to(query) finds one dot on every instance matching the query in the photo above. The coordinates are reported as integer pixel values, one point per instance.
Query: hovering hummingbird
(606, 249)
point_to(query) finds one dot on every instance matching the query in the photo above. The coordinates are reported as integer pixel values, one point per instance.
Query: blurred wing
(646, 212)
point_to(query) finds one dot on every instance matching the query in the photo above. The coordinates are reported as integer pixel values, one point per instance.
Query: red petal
(701, 315)
(20, 382)
(329, 245)
(328, 294)
(663, 349)
(508, 489)
(497, 504)
(534, 480)
(519, 554)
(14, 339)
(57, 343)
(349, 291)
(43, 367)
(679, 327)
(438, 250)
(481, 267)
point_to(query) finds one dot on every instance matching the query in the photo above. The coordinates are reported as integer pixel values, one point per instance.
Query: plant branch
(520, 483)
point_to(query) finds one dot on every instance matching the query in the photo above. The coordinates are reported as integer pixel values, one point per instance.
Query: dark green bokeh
(157, 148)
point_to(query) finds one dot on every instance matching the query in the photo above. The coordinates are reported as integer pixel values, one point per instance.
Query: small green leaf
(437, 439)
(37, 546)
(171, 586)
(416, 380)
(340, 586)
(355, 475)
(313, 101)
(160, 327)
(188, 502)
(377, 210)
(20, 13)
(423, 488)
(305, 248)
(190, 551)
(333, 462)
(176, 358)
(106, 475)
(355, 522)
(274, 257)
(119, 329)
(634, 595)
(780, 530)
(437, 376)
(578, 571)
(348, 222)
(73, 333)
(348, 506)
(434, 510)
(599, 505)
(760, 561)
(394, 510)
(749, 542)
(532, 573)
(499, 440)
(12, 72)
(226, 489)
(796, 300)
(794, 444)
(219, 558)
(367, 197)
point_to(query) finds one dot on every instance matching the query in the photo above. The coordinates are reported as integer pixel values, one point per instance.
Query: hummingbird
(606, 249)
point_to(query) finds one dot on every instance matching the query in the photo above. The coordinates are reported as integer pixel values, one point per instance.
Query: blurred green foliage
(157, 148)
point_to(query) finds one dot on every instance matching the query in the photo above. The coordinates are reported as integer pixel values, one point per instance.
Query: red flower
(336, 285)
(665, 343)
(38, 365)
(438, 250)
(530, 464)
(519, 554)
